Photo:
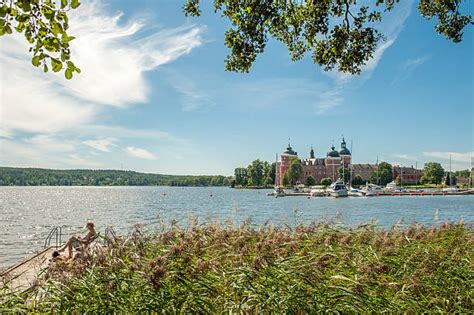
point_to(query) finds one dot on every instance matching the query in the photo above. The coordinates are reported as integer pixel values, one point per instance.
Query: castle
(320, 168)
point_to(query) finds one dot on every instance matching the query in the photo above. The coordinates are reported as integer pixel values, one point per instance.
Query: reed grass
(241, 269)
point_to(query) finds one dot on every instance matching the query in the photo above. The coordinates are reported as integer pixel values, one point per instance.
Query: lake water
(27, 214)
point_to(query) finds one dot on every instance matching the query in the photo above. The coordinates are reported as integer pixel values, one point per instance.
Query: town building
(407, 175)
(328, 167)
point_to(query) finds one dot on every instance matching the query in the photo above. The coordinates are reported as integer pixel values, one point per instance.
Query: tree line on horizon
(12, 176)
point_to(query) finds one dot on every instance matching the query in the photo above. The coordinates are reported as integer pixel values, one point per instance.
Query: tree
(447, 179)
(240, 174)
(326, 181)
(44, 25)
(286, 179)
(295, 170)
(346, 172)
(432, 173)
(398, 181)
(340, 34)
(310, 181)
(358, 180)
(384, 175)
(256, 173)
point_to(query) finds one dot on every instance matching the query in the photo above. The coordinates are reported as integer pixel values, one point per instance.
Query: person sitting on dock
(84, 241)
(58, 257)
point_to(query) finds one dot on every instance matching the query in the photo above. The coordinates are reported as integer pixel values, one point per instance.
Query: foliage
(310, 181)
(326, 181)
(286, 179)
(256, 173)
(344, 174)
(11, 176)
(295, 170)
(449, 179)
(339, 34)
(462, 173)
(358, 180)
(240, 175)
(384, 175)
(432, 173)
(308, 269)
(45, 26)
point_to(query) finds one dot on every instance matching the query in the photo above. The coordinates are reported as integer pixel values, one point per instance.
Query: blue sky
(153, 96)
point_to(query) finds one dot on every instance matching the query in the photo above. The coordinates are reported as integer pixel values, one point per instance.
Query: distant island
(14, 176)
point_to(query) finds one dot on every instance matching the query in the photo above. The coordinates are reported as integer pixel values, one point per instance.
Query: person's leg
(68, 244)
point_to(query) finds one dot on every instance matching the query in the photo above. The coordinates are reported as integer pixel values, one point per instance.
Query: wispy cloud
(113, 56)
(101, 144)
(455, 156)
(408, 67)
(406, 157)
(193, 97)
(140, 153)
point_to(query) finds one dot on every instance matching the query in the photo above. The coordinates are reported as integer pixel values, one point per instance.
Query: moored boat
(338, 189)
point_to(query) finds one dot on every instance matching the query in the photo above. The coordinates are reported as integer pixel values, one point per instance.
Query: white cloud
(405, 157)
(113, 57)
(101, 144)
(140, 153)
(455, 156)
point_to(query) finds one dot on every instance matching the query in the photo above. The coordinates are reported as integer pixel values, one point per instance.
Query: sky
(153, 96)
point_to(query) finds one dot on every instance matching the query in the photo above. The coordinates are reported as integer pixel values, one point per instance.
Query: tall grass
(217, 269)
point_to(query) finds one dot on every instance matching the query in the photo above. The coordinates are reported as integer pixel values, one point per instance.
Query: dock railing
(56, 233)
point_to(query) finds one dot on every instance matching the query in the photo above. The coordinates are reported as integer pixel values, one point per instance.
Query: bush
(308, 269)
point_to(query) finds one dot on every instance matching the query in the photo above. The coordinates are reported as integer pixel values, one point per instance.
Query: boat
(338, 189)
(318, 191)
(354, 192)
(371, 190)
(279, 192)
(392, 186)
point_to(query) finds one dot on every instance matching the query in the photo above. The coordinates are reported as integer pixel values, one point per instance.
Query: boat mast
(450, 175)
(401, 175)
(377, 169)
(352, 162)
(276, 170)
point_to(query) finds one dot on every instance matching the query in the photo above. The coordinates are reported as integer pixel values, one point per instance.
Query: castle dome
(344, 150)
(333, 152)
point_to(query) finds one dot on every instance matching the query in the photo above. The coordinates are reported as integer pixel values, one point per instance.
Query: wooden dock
(24, 275)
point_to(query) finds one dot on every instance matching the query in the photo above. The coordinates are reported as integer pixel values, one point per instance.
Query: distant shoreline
(15, 176)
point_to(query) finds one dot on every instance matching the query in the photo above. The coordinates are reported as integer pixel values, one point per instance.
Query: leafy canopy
(339, 34)
(44, 25)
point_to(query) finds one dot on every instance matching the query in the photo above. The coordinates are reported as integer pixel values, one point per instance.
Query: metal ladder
(55, 232)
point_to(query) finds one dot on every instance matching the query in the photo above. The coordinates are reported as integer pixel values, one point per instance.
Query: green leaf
(63, 4)
(68, 74)
(75, 3)
(35, 61)
(57, 65)
(45, 68)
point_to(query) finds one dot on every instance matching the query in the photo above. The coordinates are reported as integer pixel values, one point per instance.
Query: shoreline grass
(217, 269)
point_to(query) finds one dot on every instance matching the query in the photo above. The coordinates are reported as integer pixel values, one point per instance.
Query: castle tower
(284, 164)
(345, 153)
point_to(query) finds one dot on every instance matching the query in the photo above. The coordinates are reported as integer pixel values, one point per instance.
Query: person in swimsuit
(78, 239)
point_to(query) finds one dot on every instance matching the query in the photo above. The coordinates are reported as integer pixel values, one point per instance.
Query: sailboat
(450, 188)
(277, 191)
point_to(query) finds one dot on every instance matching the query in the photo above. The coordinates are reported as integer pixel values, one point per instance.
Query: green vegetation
(358, 180)
(308, 269)
(339, 34)
(295, 170)
(12, 176)
(326, 181)
(432, 173)
(45, 26)
(259, 174)
(310, 181)
(383, 176)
